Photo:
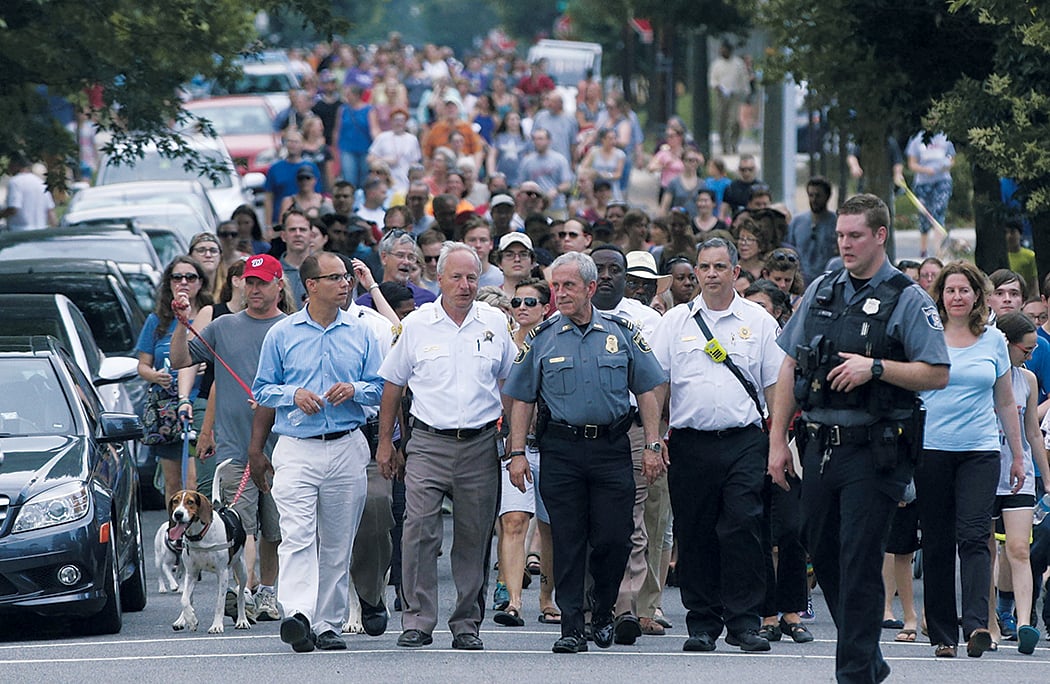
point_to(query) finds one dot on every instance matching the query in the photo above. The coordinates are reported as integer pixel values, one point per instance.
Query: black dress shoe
(468, 642)
(295, 631)
(699, 642)
(373, 618)
(570, 644)
(330, 641)
(796, 630)
(627, 629)
(413, 638)
(748, 641)
(603, 631)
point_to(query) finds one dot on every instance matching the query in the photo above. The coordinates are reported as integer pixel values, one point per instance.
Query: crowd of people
(420, 323)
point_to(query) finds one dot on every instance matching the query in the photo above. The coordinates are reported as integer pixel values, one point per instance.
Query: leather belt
(725, 432)
(839, 435)
(330, 436)
(566, 431)
(459, 433)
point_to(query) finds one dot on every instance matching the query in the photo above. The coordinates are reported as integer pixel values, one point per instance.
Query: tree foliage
(135, 54)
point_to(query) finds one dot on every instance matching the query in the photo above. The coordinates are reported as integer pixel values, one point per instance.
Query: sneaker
(249, 606)
(266, 606)
(1007, 625)
(808, 615)
(500, 597)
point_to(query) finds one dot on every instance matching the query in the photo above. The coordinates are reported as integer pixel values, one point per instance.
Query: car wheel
(110, 619)
(133, 590)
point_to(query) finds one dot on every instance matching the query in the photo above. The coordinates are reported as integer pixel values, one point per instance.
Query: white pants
(319, 488)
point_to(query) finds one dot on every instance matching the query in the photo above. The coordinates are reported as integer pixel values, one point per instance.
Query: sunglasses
(781, 255)
(228, 235)
(532, 193)
(566, 234)
(185, 277)
(527, 301)
(430, 259)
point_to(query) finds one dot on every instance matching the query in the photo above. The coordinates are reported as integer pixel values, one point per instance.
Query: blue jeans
(354, 167)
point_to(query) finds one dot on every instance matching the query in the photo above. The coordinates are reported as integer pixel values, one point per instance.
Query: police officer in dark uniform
(863, 342)
(581, 364)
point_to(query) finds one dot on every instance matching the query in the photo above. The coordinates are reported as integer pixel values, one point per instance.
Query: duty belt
(838, 435)
(566, 431)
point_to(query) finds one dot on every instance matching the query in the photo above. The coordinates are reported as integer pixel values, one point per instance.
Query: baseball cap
(501, 200)
(263, 267)
(511, 238)
(304, 172)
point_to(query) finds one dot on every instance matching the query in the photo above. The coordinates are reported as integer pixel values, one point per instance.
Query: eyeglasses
(334, 277)
(206, 250)
(516, 254)
(747, 241)
(228, 235)
(781, 255)
(404, 256)
(745, 169)
(430, 259)
(185, 277)
(527, 301)
(1027, 351)
(566, 234)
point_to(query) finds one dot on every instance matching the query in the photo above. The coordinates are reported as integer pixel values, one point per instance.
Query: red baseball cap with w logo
(264, 267)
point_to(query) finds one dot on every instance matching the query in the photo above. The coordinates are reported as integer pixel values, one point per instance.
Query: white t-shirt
(27, 193)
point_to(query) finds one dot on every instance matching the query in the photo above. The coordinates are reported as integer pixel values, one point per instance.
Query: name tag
(557, 359)
(688, 338)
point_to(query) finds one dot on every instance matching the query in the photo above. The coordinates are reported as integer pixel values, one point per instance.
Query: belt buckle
(590, 432)
(834, 436)
(459, 434)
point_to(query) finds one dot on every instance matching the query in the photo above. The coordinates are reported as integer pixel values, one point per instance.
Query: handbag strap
(749, 387)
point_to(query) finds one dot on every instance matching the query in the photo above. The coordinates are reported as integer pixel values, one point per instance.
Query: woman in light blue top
(956, 479)
(1015, 507)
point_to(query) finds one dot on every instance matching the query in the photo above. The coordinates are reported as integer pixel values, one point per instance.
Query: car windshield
(155, 167)
(133, 250)
(31, 399)
(246, 120)
(254, 84)
(95, 298)
(25, 322)
(165, 245)
(98, 200)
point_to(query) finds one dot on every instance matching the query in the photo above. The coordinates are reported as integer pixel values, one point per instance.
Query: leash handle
(241, 486)
(187, 428)
(185, 321)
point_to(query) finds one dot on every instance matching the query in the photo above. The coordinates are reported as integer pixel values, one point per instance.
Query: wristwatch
(655, 446)
(876, 369)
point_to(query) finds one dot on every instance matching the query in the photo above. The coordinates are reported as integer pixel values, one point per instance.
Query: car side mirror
(119, 427)
(116, 369)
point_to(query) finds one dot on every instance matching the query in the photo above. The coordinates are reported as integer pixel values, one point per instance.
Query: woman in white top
(1014, 509)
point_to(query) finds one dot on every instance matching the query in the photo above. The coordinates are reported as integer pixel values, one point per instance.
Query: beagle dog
(166, 558)
(213, 540)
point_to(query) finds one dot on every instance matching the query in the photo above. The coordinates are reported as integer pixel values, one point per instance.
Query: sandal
(945, 650)
(907, 635)
(532, 563)
(797, 631)
(550, 616)
(508, 618)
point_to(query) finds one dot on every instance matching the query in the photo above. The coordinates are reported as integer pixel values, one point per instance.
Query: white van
(567, 64)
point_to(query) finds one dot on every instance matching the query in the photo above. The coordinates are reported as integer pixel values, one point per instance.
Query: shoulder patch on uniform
(395, 331)
(933, 318)
(625, 322)
(541, 327)
(523, 352)
(639, 341)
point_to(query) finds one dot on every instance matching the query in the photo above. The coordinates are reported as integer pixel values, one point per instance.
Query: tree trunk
(877, 179)
(701, 95)
(990, 251)
(1041, 244)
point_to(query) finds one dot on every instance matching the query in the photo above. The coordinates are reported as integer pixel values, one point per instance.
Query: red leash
(242, 383)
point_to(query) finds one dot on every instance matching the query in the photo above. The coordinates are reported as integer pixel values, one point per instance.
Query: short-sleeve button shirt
(705, 395)
(453, 370)
(584, 375)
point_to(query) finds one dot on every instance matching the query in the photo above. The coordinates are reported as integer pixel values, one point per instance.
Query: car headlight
(57, 506)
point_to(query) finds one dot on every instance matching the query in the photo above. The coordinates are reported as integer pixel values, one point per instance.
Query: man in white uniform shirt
(717, 447)
(455, 353)
(29, 204)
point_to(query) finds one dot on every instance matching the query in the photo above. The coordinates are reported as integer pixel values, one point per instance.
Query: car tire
(110, 619)
(133, 590)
